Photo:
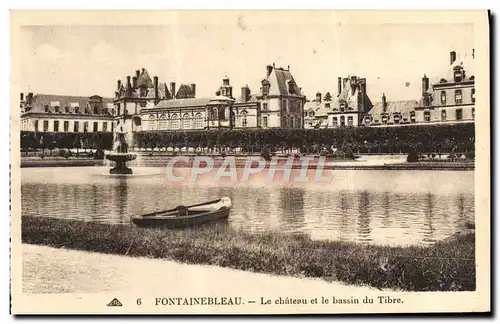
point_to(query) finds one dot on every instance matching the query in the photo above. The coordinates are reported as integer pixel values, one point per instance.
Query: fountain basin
(120, 159)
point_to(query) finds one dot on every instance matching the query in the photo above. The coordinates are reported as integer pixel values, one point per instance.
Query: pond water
(366, 206)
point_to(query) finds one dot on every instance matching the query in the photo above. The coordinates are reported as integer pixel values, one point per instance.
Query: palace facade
(58, 113)
(278, 104)
(347, 109)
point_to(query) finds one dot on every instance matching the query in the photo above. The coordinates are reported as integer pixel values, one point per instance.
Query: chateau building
(452, 98)
(57, 113)
(347, 109)
(449, 98)
(279, 103)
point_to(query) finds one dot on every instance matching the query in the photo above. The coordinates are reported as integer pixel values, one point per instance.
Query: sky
(88, 59)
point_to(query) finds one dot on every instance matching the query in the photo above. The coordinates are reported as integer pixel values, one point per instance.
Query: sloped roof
(401, 106)
(279, 80)
(319, 108)
(182, 103)
(184, 92)
(39, 102)
(145, 79)
(163, 91)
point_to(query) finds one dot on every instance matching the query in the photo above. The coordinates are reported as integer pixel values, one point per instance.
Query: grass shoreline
(445, 266)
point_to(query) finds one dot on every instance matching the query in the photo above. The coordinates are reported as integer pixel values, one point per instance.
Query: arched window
(186, 121)
(152, 122)
(174, 121)
(443, 97)
(243, 119)
(163, 124)
(443, 115)
(198, 121)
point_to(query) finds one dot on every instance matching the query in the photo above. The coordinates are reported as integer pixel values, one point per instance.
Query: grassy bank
(441, 267)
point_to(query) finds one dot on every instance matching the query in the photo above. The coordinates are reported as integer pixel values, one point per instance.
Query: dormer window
(412, 117)
(144, 91)
(458, 73)
(265, 87)
(291, 88)
(57, 109)
(342, 106)
(397, 118)
(327, 105)
(46, 108)
(77, 110)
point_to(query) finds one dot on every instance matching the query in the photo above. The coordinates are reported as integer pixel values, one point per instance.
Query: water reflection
(364, 217)
(366, 213)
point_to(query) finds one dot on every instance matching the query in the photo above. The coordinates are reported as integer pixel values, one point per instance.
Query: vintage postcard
(250, 162)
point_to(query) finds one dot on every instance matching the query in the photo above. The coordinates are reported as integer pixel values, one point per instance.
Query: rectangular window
(264, 120)
(458, 97)
(443, 97)
(473, 95)
(427, 116)
(264, 107)
(45, 125)
(412, 117)
(36, 125)
(342, 121)
(76, 127)
(283, 106)
(335, 121)
(112, 126)
(85, 127)
(56, 125)
(350, 121)
(473, 113)
(66, 126)
(104, 126)
(96, 127)
(327, 105)
(459, 114)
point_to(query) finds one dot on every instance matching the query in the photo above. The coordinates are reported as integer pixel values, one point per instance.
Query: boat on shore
(186, 216)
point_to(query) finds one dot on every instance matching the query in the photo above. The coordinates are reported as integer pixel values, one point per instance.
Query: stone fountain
(120, 154)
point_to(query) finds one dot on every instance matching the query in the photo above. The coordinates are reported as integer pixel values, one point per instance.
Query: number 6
(139, 302)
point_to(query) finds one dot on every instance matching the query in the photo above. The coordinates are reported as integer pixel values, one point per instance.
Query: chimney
(245, 93)
(269, 69)
(362, 93)
(134, 82)
(172, 89)
(288, 67)
(155, 84)
(473, 54)
(425, 84)
(384, 102)
(137, 73)
(143, 69)
(29, 98)
(453, 57)
(339, 86)
(318, 97)
(353, 85)
(22, 96)
(193, 89)
(118, 84)
(128, 86)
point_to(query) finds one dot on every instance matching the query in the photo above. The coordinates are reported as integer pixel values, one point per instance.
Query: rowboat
(186, 216)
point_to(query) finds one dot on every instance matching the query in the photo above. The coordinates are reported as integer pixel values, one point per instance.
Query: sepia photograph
(250, 162)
